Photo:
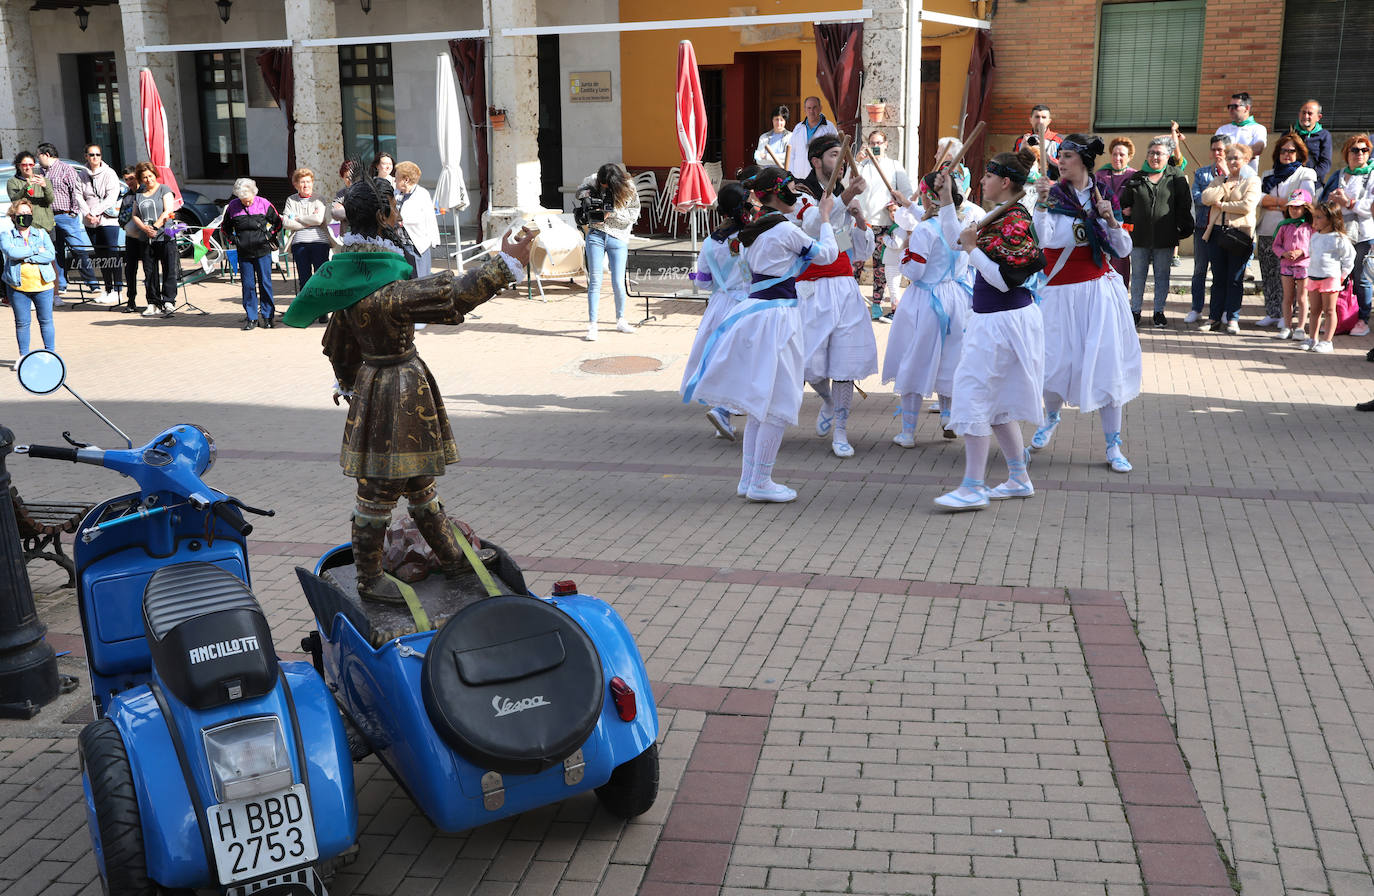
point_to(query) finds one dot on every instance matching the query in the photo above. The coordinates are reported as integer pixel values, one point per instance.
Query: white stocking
(842, 395)
(1013, 449)
(768, 441)
(976, 450)
(751, 438)
(822, 388)
(1111, 419)
(911, 409)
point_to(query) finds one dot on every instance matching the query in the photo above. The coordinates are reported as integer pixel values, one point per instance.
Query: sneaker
(885, 319)
(1159, 320)
(1307, 344)
(591, 333)
(721, 421)
(106, 298)
(1285, 332)
(1299, 334)
(1136, 315)
(904, 440)
(770, 493)
(152, 311)
(1192, 317)
(1209, 326)
(1323, 348)
(1267, 321)
(1360, 329)
(623, 325)
(1233, 327)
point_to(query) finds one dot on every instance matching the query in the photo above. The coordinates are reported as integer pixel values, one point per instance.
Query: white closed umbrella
(450, 193)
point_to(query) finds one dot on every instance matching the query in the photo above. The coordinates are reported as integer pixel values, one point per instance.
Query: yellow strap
(487, 581)
(417, 609)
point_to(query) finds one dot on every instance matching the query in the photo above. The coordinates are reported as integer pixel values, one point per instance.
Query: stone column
(21, 123)
(887, 57)
(145, 24)
(319, 113)
(513, 85)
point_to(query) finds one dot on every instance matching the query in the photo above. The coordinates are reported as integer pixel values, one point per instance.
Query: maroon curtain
(470, 64)
(281, 81)
(839, 60)
(982, 67)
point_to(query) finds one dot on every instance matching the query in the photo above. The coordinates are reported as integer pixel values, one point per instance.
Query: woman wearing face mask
(1092, 352)
(29, 275)
(252, 225)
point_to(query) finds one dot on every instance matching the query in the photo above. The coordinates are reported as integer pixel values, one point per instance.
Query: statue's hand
(517, 245)
(341, 392)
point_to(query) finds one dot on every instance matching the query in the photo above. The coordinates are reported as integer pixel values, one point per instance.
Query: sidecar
(488, 706)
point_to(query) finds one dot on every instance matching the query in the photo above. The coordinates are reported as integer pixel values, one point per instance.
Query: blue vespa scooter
(184, 677)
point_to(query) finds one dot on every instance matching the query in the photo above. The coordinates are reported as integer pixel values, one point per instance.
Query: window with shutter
(1327, 45)
(1149, 64)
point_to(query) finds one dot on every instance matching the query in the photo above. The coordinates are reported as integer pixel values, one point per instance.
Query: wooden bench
(41, 526)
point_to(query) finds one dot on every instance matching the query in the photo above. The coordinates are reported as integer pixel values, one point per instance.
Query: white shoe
(964, 498)
(1360, 329)
(1307, 344)
(1011, 489)
(1267, 321)
(151, 311)
(722, 424)
(1298, 334)
(825, 420)
(1285, 332)
(591, 333)
(623, 325)
(770, 493)
(1192, 317)
(1323, 348)
(842, 449)
(1233, 327)
(905, 439)
(106, 298)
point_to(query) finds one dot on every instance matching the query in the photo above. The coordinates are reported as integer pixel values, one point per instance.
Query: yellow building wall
(648, 65)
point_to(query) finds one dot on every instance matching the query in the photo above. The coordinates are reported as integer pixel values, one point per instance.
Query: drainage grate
(619, 365)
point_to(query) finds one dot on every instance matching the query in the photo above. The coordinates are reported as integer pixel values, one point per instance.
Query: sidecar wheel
(114, 804)
(633, 786)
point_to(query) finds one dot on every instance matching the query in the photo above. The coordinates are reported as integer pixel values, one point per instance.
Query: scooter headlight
(248, 758)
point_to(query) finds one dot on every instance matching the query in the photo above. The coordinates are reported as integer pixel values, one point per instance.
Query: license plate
(258, 836)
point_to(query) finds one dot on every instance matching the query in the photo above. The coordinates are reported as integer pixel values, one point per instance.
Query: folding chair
(646, 185)
(665, 199)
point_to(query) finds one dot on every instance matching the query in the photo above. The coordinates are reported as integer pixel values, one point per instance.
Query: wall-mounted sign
(589, 87)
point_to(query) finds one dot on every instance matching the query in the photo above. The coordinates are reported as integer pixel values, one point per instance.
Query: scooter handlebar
(231, 515)
(52, 452)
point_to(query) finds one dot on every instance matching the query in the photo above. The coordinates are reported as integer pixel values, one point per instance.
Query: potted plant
(876, 111)
(497, 117)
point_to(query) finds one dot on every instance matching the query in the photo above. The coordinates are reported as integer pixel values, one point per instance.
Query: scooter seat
(208, 638)
(513, 684)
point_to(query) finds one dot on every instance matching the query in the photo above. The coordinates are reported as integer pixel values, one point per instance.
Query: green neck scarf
(1316, 129)
(1288, 221)
(1246, 123)
(344, 280)
(1145, 168)
(1363, 169)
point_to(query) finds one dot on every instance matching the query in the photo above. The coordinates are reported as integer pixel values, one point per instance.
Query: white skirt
(1000, 371)
(755, 365)
(837, 330)
(1092, 352)
(721, 303)
(921, 357)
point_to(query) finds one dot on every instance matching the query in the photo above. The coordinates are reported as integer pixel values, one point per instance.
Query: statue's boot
(369, 536)
(437, 530)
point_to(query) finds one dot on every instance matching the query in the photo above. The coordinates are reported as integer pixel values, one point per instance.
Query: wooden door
(930, 106)
(780, 85)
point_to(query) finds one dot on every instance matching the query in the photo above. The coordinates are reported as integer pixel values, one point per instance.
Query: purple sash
(988, 298)
(783, 289)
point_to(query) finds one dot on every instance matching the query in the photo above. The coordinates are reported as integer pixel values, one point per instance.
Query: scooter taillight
(624, 698)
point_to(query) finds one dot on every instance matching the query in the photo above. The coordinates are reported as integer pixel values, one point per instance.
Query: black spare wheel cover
(513, 684)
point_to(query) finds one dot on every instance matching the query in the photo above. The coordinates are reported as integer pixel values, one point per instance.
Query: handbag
(1232, 240)
(1347, 308)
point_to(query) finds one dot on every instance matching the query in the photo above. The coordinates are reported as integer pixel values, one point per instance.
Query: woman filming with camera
(608, 206)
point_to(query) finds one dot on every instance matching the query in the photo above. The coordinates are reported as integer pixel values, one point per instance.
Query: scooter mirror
(41, 372)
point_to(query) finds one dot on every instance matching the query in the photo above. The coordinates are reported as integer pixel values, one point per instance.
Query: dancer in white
(752, 361)
(928, 326)
(1001, 367)
(836, 325)
(720, 267)
(1092, 352)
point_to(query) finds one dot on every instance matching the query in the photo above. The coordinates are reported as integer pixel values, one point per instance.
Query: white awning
(851, 15)
(318, 42)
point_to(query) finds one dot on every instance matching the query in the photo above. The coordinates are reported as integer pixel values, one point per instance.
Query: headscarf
(1064, 201)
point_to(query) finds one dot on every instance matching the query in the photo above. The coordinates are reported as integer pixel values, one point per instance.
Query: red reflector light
(624, 698)
(564, 587)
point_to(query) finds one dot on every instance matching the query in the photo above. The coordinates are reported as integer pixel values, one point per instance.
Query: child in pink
(1291, 243)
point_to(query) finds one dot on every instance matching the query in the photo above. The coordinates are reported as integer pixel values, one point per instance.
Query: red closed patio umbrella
(694, 190)
(155, 131)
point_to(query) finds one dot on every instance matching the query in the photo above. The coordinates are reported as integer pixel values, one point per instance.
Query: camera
(590, 209)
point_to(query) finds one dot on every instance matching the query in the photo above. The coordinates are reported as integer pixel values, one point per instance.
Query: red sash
(840, 267)
(1078, 269)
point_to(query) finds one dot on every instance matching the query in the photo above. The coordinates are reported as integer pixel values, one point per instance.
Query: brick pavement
(1160, 680)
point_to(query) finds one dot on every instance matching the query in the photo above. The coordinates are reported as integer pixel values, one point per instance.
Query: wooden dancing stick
(879, 168)
(1044, 151)
(768, 149)
(963, 151)
(1182, 143)
(997, 212)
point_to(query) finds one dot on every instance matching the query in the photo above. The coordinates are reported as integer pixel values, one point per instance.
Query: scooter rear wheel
(633, 786)
(114, 802)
